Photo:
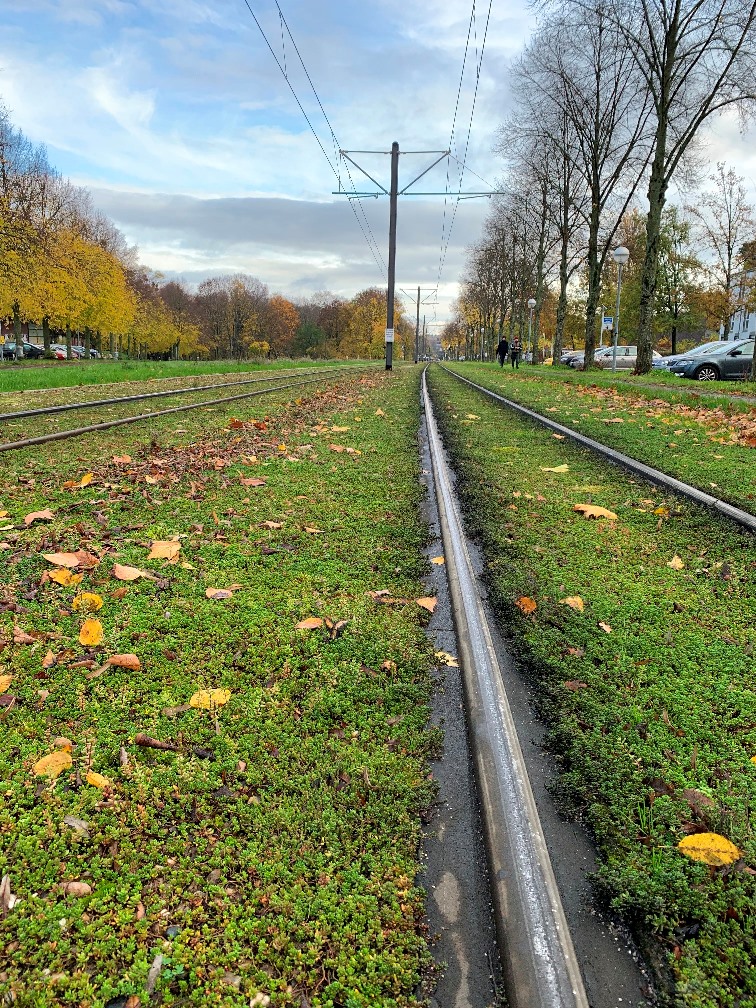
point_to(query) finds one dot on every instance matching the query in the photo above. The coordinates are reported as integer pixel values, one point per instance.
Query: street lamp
(620, 256)
(531, 305)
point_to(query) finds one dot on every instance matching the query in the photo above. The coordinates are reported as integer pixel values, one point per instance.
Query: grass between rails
(649, 689)
(44, 375)
(274, 851)
(710, 447)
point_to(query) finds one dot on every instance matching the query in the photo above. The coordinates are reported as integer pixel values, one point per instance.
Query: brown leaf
(574, 685)
(592, 511)
(126, 573)
(222, 593)
(21, 637)
(91, 633)
(164, 550)
(253, 481)
(428, 602)
(271, 524)
(128, 661)
(63, 559)
(33, 516)
(605, 627)
(118, 593)
(122, 459)
(526, 605)
(311, 623)
(76, 888)
(676, 563)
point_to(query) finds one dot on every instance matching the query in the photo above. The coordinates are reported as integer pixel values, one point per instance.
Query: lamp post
(601, 327)
(531, 305)
(620, 256)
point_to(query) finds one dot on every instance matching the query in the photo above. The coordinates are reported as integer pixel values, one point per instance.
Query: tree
(278, 325)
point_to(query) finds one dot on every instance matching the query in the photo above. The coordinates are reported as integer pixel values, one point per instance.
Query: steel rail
(107, 424)
(93, 403)
(744, 518)
(539, 962)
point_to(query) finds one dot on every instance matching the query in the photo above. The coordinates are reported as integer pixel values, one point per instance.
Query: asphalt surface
(459, 910)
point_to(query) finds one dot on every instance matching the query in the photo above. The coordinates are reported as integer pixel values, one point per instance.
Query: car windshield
(711, 348)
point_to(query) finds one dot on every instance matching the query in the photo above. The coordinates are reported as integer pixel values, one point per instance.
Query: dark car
(730, 359)
(30, 350)
(665, 363)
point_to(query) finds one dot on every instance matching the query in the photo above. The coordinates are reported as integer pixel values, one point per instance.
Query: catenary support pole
(417, 328)
(393, 195)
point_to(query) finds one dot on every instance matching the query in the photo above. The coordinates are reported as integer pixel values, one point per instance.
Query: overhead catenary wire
(374, 246)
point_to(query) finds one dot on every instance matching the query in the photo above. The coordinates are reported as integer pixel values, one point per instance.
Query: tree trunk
(561, 313)
(657, 193)
(87, 342)
(17, 331)
(46, 337)
(69, 353)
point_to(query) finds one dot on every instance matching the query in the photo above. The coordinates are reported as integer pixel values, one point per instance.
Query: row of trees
(66, 267)
(612, 99)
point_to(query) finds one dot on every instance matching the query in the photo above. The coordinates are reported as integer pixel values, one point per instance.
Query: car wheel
(707, 373)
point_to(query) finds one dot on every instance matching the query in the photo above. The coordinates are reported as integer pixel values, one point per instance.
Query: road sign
(389, 335)
(608, 322)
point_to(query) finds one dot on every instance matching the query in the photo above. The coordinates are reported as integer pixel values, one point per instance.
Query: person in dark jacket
(515, 351)
(502, 351)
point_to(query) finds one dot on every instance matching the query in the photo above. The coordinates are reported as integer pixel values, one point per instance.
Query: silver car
(730, 359)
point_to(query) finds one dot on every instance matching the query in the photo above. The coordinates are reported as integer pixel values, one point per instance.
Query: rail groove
(539, 962)
(744, 518)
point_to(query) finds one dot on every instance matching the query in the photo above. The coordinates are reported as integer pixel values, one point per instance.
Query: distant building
(744, 320)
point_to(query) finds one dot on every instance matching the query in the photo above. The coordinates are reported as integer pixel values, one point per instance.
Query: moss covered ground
(638, 633)
(260, 847)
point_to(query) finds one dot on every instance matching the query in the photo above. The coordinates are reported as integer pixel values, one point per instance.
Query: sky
(177, 118)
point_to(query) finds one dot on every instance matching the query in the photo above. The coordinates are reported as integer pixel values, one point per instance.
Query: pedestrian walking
(515, 351)
(502, 351)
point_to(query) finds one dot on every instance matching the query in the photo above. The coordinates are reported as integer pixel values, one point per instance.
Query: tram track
(153, 414)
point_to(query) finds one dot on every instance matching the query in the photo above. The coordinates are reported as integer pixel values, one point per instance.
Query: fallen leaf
(676, 563)
(444, 658)
(605, 627)
(91, 633)
(379, 412)
(340, 429)
(33, 516)
(61, 742)
(613, 420)
(65, 577)
(126, 573)
(557, 469)
(208, 699)
(271, 524)
(574, 602)
(526, 605)
(311, 623)
(5, 681)
(7, 899)
(711, 848)
(221, 593)
(62, 560)
(592, 511)
(87, 602)
(76, 824)
(574, 685)
(53, 764)
(21, 637)
(128, 661)
(314, 531)
(76, 888)
(438, 560)
(254, 481)
(118, 593)
(97, 780)
(559, 437)
(122, 459)
(164, 550)
(472, 416)
(663, 511)
(428, 602)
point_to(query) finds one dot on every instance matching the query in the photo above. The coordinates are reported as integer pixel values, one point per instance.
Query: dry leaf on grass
(605, 627)
(526, 605)
(122, 459)
(76, 888)
(33, 516)
(428, 602)
(557, 469)
(85, 480)
(53, 764)
(208, 699)
(574, 602)
(91, 633)
(125, 573)
(87, 602)
(222, 593)
(313, 531)
(592, 511)
(5, 681)
(164, 549)
(711, 848)
(253, 481)
(22, 637)
(311, 623)
(676, 563)
(65, 577)
(573, 685)
(271, 524)
(128, 661)
(97, 780)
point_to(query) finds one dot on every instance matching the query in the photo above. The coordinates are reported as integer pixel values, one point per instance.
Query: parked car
(603, 357)
(568, 355)
(726, 359)
(666, 362)
(30, 350)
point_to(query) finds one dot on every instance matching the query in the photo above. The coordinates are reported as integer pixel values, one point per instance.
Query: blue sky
(175, 115)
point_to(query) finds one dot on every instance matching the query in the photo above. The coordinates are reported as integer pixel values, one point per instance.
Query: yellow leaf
(753, 759)
(427, 602)
(526, 605)
(86, 479)
(62, 576)
(711, 848)
(164, 550)
(53, 765)
(5, 681)
(87, 602)
(472, 416)
(311, 623)
(557, 469)
(208, 699)
(663, 511)
(592, 511)
(91, 633)
(340, 429)
(574, 602)
(379, 412)
(438, 560)
(444, 658)
(676, 563)
(97, 780)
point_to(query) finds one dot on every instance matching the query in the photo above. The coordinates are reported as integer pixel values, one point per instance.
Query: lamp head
(621, 255)
(531, 303)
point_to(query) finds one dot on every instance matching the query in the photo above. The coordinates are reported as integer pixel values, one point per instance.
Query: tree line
(611, 105)
(65, 267)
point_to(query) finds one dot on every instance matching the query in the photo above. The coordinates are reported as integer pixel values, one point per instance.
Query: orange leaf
(62, 576)
(45, 515)
(526, 605)
(125, 573)
(53, 764)
(63, 559)
(438, 560)
(428, 602)
(311, 623)
(5, 681)
(314, 531)
(164, 550)
(118, 593)
(86, 479)
(574, 602)
(254, 481)
(91, 633)
(591, 511)
(129, 661)
(122, 459)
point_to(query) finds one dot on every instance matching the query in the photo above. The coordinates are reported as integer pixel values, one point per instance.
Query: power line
(382, 268)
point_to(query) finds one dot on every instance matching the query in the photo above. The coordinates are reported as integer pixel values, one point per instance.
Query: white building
(743, 322)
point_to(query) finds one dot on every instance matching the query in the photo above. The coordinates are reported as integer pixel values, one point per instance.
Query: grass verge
(639, 632)
(268, 851)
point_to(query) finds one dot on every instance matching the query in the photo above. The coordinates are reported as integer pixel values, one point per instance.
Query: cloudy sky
(176, 116)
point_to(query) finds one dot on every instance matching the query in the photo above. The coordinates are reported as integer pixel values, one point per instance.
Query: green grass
(653, 720)
(46, 374)
(285, 864)
(702, 441)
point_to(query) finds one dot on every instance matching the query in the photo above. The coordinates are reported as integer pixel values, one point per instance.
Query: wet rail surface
(75, 432)
(655, 476)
